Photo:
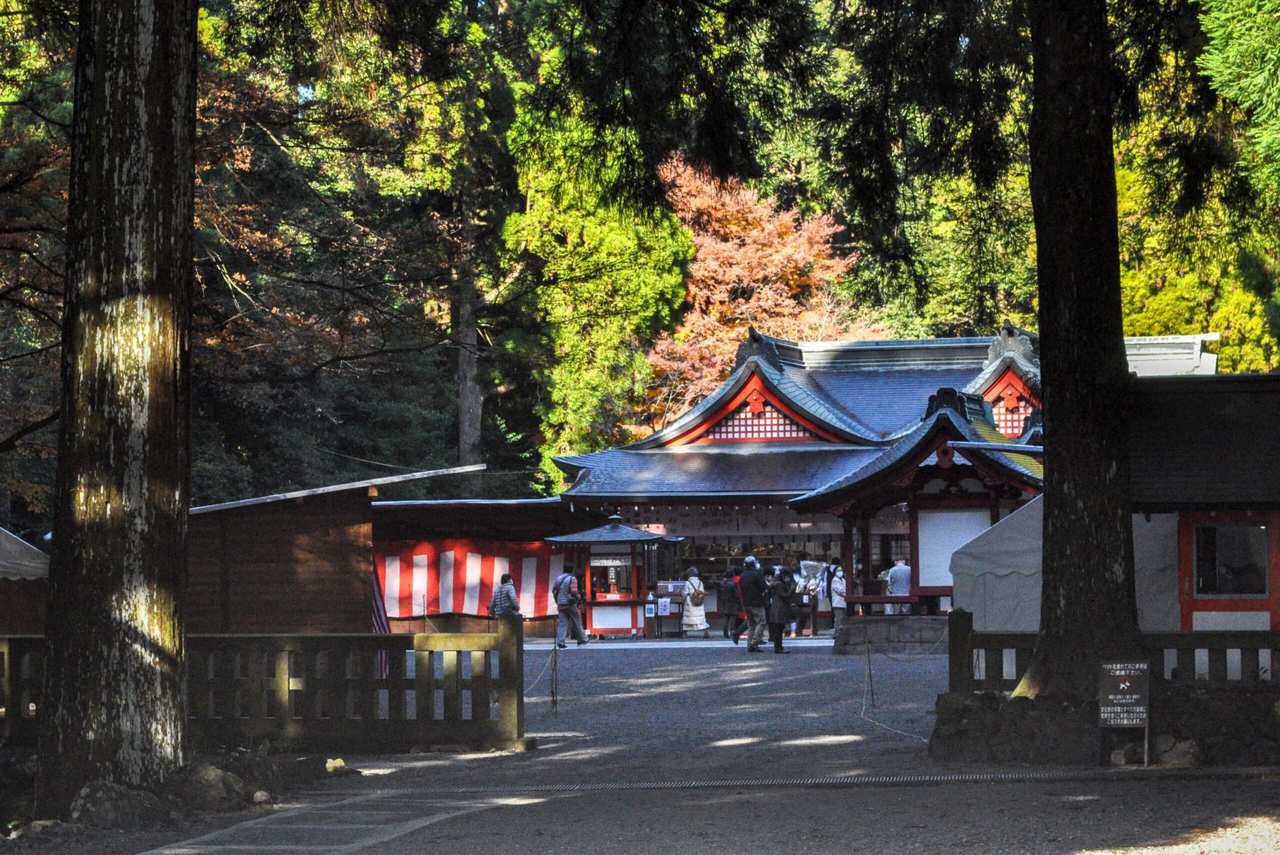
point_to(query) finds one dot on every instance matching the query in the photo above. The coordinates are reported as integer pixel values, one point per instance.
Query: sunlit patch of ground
(1252, 834)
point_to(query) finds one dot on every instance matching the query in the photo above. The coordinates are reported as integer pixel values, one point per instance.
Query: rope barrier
(869, 694)
(555, 679)
(529, 688)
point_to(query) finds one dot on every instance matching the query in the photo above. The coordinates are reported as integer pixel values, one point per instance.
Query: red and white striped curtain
(458, 576)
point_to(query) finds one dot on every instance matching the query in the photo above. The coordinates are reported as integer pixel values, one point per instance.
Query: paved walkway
(630, 760)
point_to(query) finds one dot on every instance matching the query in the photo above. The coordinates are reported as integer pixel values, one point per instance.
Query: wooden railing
(994, 661)
(348, 692)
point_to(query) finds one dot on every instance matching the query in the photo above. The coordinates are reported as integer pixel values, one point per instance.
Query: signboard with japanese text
(1124, 689)
(649, 610)
(664, 606)
(610, 561)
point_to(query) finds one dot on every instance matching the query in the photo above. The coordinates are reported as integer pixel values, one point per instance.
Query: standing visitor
(693, 616)
(730, 605)
(782, 591)
(899, 579)
(838, 602)
(568, 619)
(754, 599)
(741, 626)
(797, 614)
(505, 603)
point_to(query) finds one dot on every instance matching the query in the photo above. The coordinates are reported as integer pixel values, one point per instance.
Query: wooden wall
(293, 566)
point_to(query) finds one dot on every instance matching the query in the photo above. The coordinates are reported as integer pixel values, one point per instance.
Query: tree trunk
(466, 339)
(1087, 603)
(113, 702)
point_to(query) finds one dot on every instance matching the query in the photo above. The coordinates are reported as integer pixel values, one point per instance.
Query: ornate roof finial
(1012, 340)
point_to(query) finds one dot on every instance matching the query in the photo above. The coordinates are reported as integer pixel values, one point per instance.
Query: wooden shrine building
(841, 449)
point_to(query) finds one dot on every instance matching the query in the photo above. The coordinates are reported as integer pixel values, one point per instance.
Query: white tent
(997, 573)
(21, 560)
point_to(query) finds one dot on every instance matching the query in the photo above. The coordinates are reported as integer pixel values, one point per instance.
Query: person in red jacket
(729, 604)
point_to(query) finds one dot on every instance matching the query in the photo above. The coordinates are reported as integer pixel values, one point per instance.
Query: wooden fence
(348, 692)
(995, 661)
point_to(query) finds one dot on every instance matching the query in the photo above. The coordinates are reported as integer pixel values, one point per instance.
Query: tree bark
(467, 341)
(1087, 602)
(113, 702)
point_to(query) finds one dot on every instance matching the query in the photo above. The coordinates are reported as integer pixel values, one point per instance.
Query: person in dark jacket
(782, 588)
(754, 594)
(505, 602)
(727, 604)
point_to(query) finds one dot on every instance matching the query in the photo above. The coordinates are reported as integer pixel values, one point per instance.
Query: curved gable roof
(963, 415)
(802, 401)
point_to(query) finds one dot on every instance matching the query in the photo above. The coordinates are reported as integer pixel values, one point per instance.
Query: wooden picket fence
(995, 661)
(349, 692)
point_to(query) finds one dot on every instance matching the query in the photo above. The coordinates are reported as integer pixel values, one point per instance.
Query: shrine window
(758, 420)
(1010, 413)
(1231, 559)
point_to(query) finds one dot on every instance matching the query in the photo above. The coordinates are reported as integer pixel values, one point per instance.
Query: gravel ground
(697, 712)
(1167, 817)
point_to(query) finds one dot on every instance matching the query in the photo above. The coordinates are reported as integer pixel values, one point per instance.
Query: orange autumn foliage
(753, 266)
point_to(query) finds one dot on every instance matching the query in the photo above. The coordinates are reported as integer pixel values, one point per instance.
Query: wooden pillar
(959, 658)
(846, 545)
(864, 548)
(915, 546)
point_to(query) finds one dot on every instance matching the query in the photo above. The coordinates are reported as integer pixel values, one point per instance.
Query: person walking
(754, 599)
(693, 615)
(838, 603)
(504, 603)
(569, 618)
(782, 592)
(729, 604)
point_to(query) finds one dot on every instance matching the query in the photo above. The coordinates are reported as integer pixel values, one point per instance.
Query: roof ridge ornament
(1010, 339)
(958, 402)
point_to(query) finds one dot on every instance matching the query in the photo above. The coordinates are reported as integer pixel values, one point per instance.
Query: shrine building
(842, 449)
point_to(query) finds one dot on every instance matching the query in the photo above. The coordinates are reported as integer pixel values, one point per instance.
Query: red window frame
(1189, 603)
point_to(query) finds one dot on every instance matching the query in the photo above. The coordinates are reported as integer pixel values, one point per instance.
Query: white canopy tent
(20, 560)
(997, 574)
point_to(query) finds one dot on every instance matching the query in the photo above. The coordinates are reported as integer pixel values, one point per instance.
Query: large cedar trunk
(467, 340)
(1087, 604)
(113, 703)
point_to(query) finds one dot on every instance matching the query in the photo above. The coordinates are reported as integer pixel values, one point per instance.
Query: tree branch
(27, 353)
(11, 441)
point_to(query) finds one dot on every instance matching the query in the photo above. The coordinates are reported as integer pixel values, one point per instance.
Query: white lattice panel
(768, 423)
(1010, 419)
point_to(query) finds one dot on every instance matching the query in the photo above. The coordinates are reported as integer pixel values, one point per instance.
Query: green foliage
(1207, 268)
(352, 165)
(1242, 59)
(610, 281)
(974, 251)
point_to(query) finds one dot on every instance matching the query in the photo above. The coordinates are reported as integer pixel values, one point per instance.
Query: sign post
(1124, 699)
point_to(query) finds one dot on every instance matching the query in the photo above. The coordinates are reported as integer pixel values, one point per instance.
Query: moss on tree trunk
(113, 704)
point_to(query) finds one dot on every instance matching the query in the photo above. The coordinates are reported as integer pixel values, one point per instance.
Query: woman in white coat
(838, 602)
(693, 618)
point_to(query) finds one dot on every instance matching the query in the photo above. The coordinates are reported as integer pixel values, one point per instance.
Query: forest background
(397, 271)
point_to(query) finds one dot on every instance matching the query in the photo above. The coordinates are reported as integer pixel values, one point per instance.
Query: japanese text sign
(1124, 693)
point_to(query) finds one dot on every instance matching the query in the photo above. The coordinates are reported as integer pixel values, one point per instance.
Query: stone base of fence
(893, 634)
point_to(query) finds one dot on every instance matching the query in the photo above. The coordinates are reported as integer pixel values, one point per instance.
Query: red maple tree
(753, 266)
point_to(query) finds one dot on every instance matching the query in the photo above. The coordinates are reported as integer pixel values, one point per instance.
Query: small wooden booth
(620, 567)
